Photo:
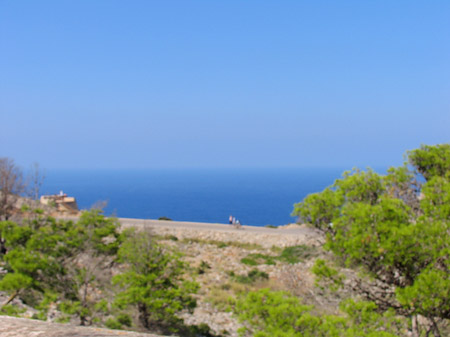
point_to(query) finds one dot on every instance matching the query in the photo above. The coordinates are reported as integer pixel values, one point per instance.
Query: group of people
(234, 221)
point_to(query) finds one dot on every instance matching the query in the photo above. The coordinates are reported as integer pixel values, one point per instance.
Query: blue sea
(256, 197)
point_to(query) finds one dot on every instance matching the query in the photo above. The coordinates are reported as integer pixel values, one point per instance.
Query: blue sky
(156, 84)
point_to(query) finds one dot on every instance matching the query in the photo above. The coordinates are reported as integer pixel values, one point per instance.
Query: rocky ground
(21, 327)
(289, 235)
(215, 253)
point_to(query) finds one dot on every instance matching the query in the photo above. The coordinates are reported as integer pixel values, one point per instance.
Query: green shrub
(275, 313)
(295, 254)
(111, 323)
(11, 310)
(202, 329)
(63, 319)
(251, 277)
(290, 255)
(154, 282)
(223, 244)
(124, 319)
(203, 267)
(327, 276)
(221, 298)
(249, 261)
(257, 259)
(101, 306)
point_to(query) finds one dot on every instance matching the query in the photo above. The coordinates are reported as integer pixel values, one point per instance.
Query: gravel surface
(286, 230)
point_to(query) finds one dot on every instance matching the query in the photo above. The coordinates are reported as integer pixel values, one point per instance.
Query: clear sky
(143, 84)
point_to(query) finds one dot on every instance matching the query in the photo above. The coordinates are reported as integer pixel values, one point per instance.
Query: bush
(295, 254)
(257, 259)
(290, 255)
(118, 323)
(202, 329)
(203, 267)
(276, 314)
(154, 283)
(251, 277)
(124, 319)
(111, 323)
(221, 298)
(11, 310)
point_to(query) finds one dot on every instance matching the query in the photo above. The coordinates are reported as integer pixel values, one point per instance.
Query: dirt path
(267, 237)
(290, 230)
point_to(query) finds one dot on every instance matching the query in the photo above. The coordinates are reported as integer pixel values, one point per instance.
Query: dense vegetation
(278, 314)
(394, 229)
(50, 261)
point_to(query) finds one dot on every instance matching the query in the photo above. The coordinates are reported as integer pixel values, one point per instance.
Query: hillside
(217, 254)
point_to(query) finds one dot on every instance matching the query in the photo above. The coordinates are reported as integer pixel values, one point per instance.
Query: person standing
(230, 219)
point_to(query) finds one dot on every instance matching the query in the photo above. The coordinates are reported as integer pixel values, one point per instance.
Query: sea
(256, 197)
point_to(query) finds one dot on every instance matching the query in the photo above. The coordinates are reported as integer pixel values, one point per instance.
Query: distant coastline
(257, 197)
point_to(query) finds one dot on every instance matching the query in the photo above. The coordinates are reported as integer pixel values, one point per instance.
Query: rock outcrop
(22, 327)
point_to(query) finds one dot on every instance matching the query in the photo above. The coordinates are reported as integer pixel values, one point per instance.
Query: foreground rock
(22, 327)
